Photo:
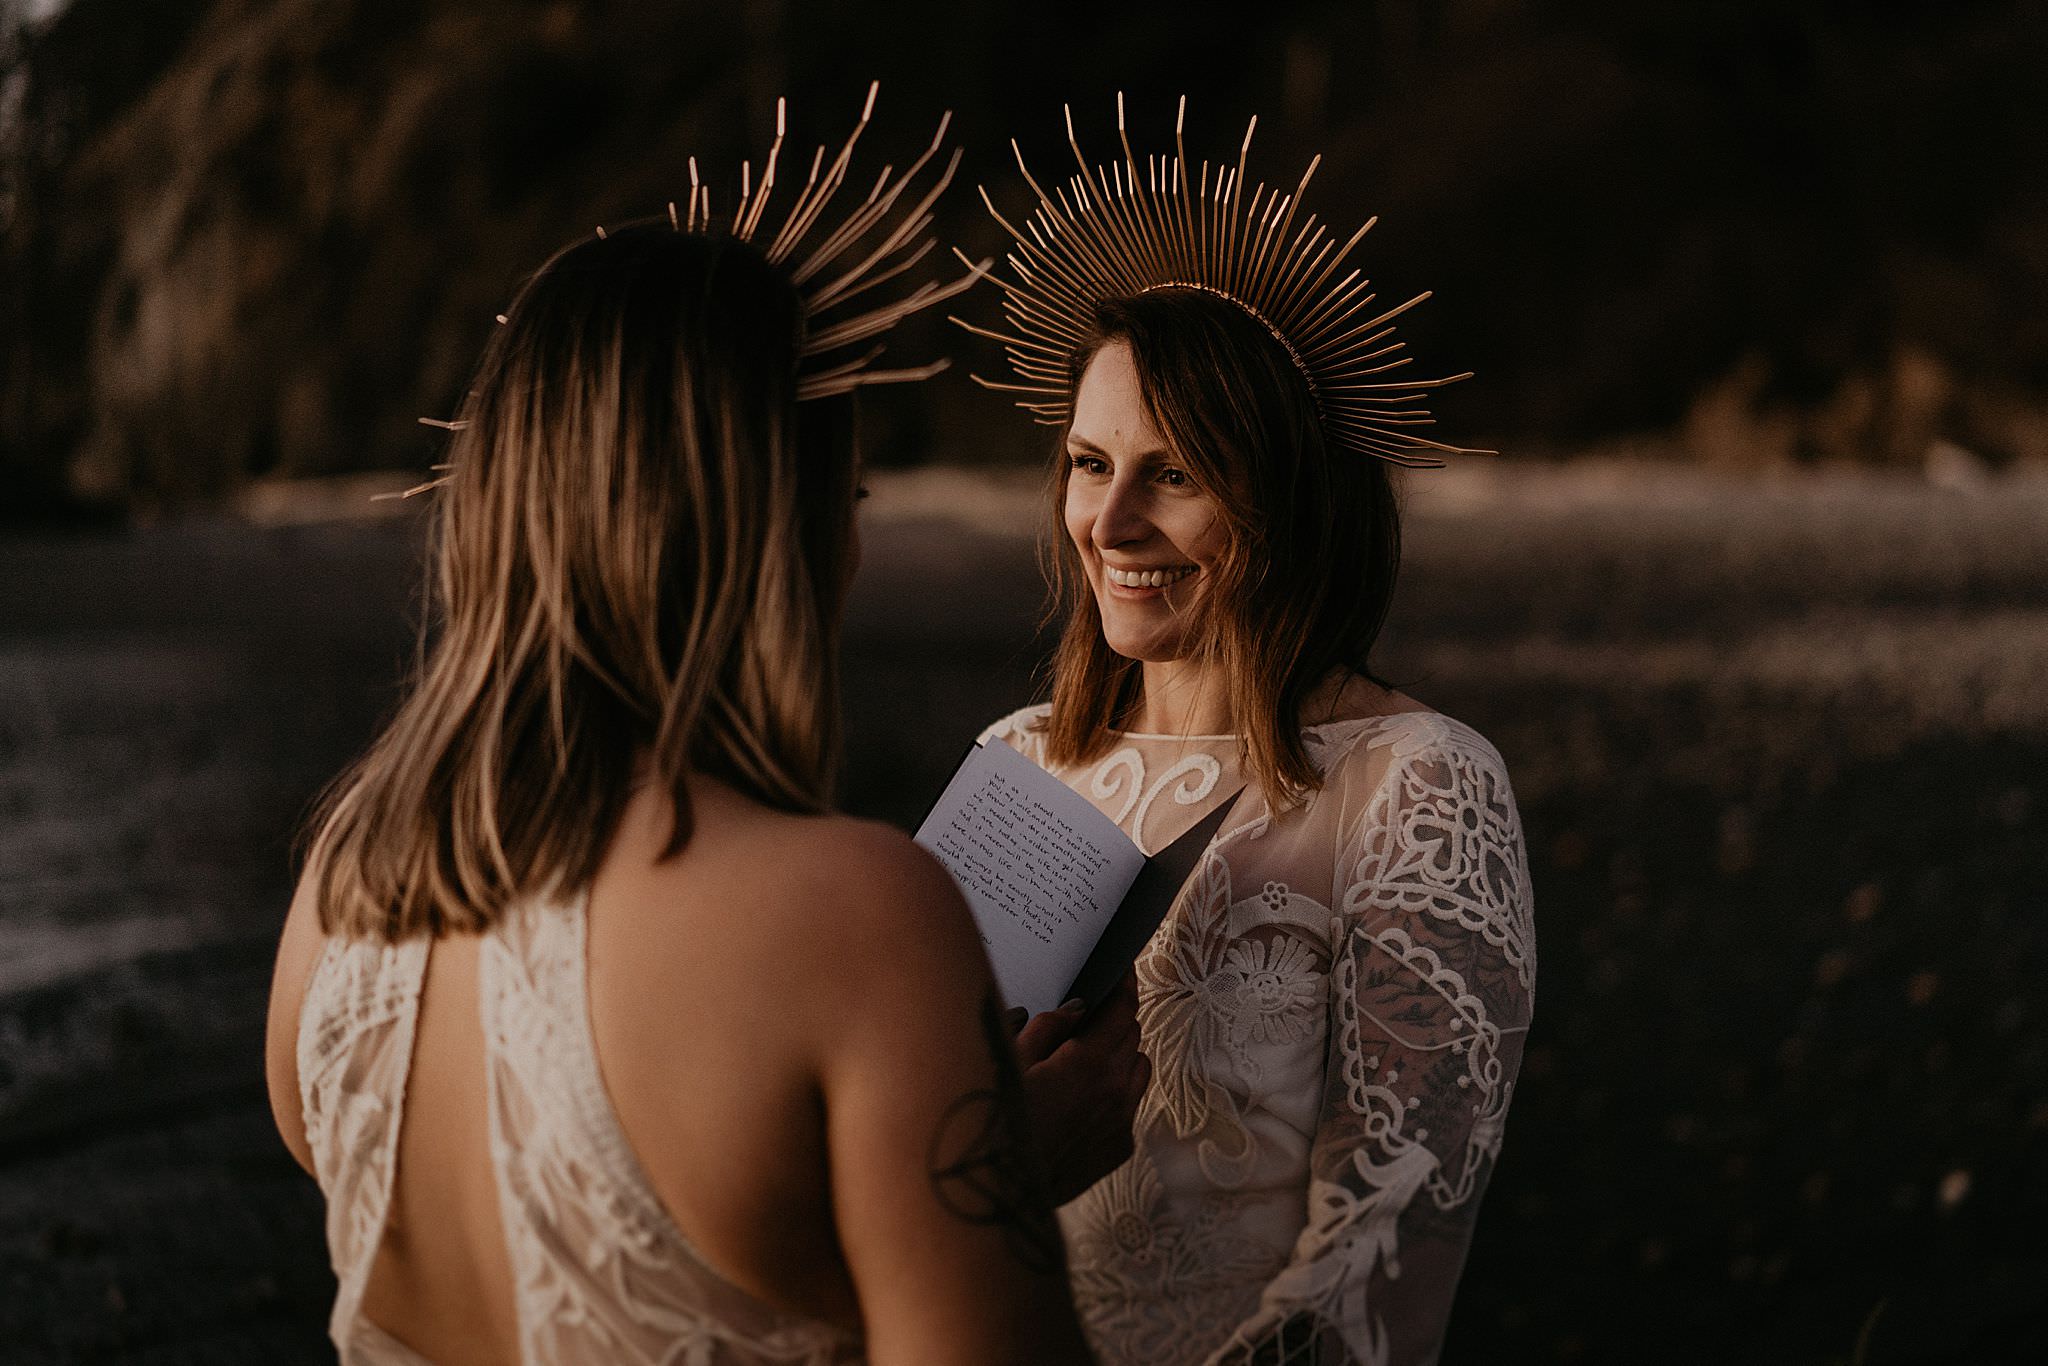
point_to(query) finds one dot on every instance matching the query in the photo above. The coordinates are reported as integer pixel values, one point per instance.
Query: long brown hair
(1314, 537)
(641, 551)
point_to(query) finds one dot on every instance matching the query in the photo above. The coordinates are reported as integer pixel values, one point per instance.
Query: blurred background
(1755, 604)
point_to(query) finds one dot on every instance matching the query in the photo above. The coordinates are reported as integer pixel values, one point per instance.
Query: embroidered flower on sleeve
(1176, 1020)
(1268, 991)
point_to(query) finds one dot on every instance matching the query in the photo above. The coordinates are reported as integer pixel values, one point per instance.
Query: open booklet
(1065, 901)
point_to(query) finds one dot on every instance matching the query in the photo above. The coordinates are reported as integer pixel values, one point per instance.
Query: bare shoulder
(801, 857)
(831, 889)
(869, 859)
(889, 907)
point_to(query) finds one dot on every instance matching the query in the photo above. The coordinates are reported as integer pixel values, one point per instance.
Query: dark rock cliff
(241, 237)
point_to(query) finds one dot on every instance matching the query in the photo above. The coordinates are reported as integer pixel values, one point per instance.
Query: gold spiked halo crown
(864, 250)
(1118, 230)
(845, 262)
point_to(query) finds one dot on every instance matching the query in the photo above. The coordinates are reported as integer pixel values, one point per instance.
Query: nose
(1121, 519)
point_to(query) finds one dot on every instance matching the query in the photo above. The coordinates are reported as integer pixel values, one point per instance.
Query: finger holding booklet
(1063, 899)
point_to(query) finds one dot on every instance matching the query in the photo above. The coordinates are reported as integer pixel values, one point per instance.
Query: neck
(1181, 697)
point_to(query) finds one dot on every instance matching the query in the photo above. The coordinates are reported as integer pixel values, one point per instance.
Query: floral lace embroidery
(1178, 1030)
(1443, 838)
(1145, 1281)
(1266, 992)
(354, 1048)
(601, 1274)
(1351, 1065)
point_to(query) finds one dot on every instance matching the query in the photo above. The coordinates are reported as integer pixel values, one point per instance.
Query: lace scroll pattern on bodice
(1334, 1011)
(602, 1275)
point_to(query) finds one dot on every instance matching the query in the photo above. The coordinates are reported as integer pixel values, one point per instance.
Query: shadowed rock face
(253, 236)
(289, 243)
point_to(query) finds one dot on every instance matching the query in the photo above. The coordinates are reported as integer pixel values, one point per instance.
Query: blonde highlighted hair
(640, 555)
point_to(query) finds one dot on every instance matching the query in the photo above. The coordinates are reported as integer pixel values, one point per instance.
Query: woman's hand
(1083, 1079)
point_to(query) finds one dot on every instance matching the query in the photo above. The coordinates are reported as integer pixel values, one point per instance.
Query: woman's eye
(1088, 464)
(1173, 478)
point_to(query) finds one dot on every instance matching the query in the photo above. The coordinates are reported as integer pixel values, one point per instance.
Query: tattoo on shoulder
(983, 1167)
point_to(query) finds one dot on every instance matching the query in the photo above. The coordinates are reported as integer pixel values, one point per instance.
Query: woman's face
(1145, 533)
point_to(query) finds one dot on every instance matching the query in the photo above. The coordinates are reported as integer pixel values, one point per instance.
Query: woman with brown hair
(607, 1041)
(1335, 1007)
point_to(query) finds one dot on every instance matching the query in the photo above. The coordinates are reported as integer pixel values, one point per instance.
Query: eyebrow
(1083, 443)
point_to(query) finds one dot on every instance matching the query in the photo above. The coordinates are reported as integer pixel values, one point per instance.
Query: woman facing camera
(1335, 1007)
(606, 1041)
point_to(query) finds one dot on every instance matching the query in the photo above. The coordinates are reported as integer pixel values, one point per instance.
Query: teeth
(1148, 578)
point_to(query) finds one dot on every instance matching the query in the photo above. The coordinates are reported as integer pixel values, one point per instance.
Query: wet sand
(1782, 753)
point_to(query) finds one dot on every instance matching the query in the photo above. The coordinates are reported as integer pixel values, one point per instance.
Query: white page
(1042, 869)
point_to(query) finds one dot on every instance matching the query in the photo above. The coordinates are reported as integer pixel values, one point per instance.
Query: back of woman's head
(641, 544)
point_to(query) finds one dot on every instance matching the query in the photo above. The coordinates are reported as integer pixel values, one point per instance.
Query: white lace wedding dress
(1334, 1010)
(603, 1277)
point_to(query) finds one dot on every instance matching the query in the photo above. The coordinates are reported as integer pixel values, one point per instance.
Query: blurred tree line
(251, 237)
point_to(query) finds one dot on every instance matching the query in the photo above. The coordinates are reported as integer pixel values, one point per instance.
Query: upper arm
(942, 1211)
(1431, 987)
(298, 952)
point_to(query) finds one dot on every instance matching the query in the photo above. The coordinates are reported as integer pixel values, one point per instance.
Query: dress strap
(354, 1052)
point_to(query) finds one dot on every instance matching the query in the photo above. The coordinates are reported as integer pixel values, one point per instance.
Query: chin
(1147, 647)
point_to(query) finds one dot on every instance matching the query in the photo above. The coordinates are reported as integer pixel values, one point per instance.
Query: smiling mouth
(1147, 578)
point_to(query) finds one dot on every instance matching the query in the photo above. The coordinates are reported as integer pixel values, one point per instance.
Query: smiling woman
(1335, 1006)
(1219, 569)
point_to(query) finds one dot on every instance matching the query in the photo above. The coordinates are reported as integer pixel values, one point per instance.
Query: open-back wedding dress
(602, 1275)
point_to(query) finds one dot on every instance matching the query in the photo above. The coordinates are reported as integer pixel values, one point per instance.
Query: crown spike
(1334, 310)
(1232, 260)
(1266, 277)
(1060, 218)
(1302, 257)
(1183, 196)
(1388, 316)
(915, 222)
(778, 249)
(803, 219)
(1144, 216)
(1008, 342)
(1339, 294)
(1316, 279)
(1078, 290)
(1105, 221)
(768, 171)
(1342, 349)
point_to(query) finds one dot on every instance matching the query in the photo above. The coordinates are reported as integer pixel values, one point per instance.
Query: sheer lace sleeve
(1431, 987)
